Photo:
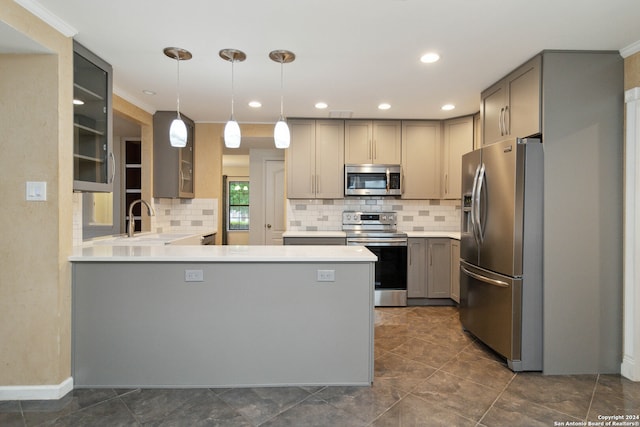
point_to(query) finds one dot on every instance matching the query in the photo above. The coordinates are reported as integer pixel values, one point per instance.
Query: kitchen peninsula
(222, 316)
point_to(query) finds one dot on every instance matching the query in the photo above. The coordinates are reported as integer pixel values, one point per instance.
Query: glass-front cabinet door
(93, 160)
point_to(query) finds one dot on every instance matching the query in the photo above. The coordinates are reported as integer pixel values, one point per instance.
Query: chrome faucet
(132, 226)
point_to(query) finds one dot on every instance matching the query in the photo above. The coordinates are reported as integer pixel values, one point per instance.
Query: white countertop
(445, 234)
(314, 234)
(149, 239)
(164, 253)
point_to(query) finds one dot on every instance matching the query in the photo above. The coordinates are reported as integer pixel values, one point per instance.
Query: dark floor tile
(112, 413)
(480, 370)
(513, 412)
(366, 403)
(412, 411)
(203, 410)
(153, 405)
(424, 351)
(11, 414)
(37, 412)
(314, 412)
(261, 404)
(479, 349)
(614, 395)
(397, 372)
(466, 398)
(570, 394)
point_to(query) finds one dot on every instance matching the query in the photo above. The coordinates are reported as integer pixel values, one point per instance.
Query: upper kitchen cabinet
(511, 107)
(421, 159)
(173, 168)
(372, 141)
(315, 159)
(93, 161)
(457, 140)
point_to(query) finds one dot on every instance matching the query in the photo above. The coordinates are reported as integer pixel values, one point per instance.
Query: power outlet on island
(326, 275)
(193, 276)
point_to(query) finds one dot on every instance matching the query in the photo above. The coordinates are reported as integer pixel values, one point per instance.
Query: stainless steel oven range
(377, 231)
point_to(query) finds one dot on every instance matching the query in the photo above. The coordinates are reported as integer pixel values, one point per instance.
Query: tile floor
(427, 373)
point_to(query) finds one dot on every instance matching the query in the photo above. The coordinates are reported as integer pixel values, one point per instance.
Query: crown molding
(44, 14)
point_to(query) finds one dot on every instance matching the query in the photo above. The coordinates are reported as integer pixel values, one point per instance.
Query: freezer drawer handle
(485, 279)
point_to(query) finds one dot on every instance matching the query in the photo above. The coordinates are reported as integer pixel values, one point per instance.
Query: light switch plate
(36, 191)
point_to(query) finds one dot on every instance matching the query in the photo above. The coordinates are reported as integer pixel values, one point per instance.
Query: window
(238, 205)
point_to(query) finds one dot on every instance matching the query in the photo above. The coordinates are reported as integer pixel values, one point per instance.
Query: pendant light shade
(232, 135)
(281, 135)
(178, 133)
(178, 130)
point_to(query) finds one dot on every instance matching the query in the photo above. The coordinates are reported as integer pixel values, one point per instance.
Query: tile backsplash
(184, 215)
(413, 215)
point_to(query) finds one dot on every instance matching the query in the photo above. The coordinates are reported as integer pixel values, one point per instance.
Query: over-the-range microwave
(372, 180)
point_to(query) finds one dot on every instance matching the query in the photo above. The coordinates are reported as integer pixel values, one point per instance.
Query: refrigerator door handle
(476, 206)
(474, 220)
(485, 279)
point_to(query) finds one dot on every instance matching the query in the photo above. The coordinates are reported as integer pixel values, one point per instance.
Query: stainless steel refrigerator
(501, 249)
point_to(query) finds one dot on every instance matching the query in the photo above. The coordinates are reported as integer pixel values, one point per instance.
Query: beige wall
(632, 71)
(37, 145)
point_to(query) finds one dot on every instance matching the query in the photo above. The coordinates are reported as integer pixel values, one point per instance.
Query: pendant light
(178, 130)
(281, 134)
(232, 129)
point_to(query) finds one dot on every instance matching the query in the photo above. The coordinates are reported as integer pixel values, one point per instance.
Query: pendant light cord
(178, 87)
(282, 90)
(232, 88)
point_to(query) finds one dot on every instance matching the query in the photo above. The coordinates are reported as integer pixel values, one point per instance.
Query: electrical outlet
(193, 276)
(326, 275)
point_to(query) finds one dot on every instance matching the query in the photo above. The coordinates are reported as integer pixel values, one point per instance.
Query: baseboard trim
(628, 369)
(36, 392)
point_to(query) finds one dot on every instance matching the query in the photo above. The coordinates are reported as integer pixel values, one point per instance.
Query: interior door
(274, 202)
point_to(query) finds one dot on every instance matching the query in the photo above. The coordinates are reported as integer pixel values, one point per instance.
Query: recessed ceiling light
(384, 106)
(321, 105)
(148, 92)
(448, 107)
(78, 101)
(429, 58)
(255, 104)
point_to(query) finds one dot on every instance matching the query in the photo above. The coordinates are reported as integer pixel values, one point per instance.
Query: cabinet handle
(446, 183)
(317, 184)
(113, 167)
(500, 119)
(506, 120)
(313, 183)
(181, 179)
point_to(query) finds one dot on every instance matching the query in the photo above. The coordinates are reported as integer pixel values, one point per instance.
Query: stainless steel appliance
(501, 249)
(377, 231)
(372, 180)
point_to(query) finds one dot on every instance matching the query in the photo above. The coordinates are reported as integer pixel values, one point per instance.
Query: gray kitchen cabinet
(455, 270)
(416, 267)
(457, 140)
(372, 142)
(321, 240)
(421, 159)
(315, 159)
(173, 168)
(438, 268)
(93, 160)
(477, 131)
(511, 107)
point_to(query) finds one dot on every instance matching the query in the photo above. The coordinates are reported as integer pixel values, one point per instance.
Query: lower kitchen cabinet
(416, 268)
(429, 268)
(455, 270)
(439, 268)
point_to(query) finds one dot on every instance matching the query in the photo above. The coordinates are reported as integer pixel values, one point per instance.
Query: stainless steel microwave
(372, 180)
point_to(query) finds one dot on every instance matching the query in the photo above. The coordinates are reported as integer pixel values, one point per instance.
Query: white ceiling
(351, 54)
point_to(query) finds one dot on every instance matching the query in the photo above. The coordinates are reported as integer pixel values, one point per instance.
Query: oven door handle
(377, 242)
